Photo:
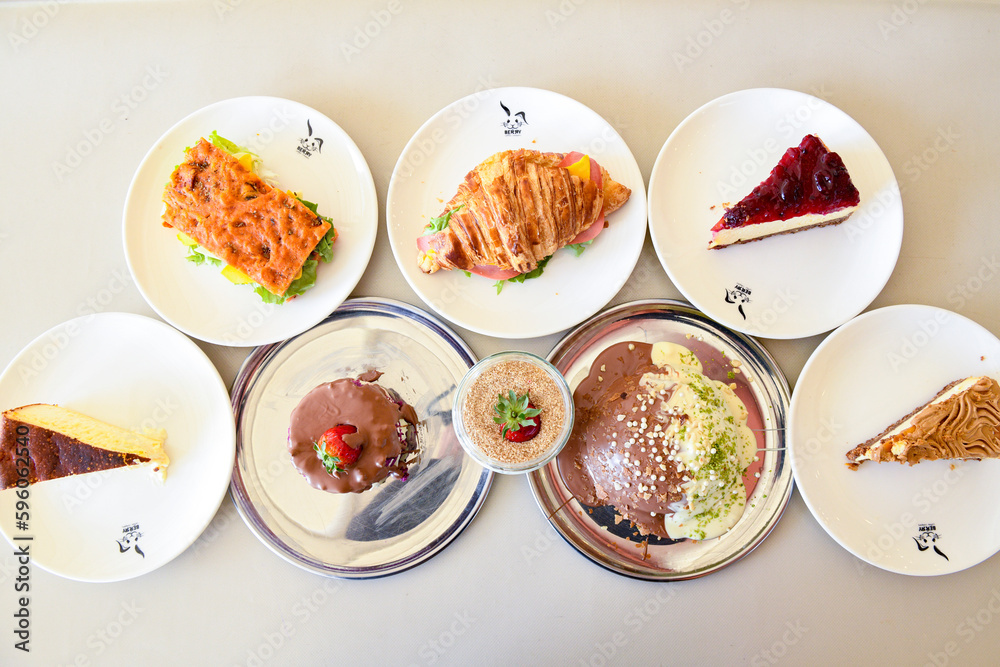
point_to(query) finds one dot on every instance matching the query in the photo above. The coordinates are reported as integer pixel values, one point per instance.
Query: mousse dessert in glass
(513, 412)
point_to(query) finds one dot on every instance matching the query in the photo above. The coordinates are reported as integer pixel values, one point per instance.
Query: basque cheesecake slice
(40, 442)
(961, 422)
(809, 187)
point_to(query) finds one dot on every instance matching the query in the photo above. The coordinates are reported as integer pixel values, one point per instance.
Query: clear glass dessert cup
(462, 427)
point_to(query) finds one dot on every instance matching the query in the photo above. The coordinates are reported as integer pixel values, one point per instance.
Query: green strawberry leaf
(332, 464)
(512, 411)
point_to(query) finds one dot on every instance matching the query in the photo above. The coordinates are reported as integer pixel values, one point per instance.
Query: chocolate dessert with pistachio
(659, 441)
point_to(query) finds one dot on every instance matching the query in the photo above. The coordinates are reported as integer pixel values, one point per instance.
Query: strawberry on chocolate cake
(664, 445)
(347, 435)
(809, 187)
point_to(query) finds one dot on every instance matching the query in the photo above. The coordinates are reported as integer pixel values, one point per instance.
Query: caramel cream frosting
(961, 422)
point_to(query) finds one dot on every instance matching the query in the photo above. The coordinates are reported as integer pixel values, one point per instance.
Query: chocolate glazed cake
(599, 436)
(385, 437)
(656, 439)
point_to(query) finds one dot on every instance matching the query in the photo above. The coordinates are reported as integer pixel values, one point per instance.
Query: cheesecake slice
(961, 422)
(40, 442)
(809, 187)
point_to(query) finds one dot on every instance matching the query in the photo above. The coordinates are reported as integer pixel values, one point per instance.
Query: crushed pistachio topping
(711, 443)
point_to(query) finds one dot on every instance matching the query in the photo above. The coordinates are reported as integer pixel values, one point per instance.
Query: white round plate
(134, 372)
(935, 517)
(451, 144)
(310, 154)
(788, 286)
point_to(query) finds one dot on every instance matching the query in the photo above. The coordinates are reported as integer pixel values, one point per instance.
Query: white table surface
(922, 77)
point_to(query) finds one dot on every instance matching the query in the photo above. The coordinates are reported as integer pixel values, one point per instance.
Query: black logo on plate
(310, 144)
(514, 122)
(738, 295)
(130, 539)
(927, 538)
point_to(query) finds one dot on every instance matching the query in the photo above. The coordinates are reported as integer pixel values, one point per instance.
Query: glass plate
(395, 525)
(761, 386)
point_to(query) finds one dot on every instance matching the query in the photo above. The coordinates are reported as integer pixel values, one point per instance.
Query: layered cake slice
(961, 422)
(40, 442)
(809, 187)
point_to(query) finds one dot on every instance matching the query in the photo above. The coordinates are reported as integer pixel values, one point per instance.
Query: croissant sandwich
(516, 209)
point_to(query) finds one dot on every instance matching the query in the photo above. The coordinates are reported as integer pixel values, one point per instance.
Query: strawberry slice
(337, 456)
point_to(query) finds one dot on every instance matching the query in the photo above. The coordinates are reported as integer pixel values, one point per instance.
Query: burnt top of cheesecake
(51, 455)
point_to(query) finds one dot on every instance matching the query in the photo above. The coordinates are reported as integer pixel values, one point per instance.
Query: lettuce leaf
(325, 246)
(268, 297)
(578, 248)
(440, 223)
(305, 281)
(536, 272)
(298, 286)
(227, 145)
(198, 258)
